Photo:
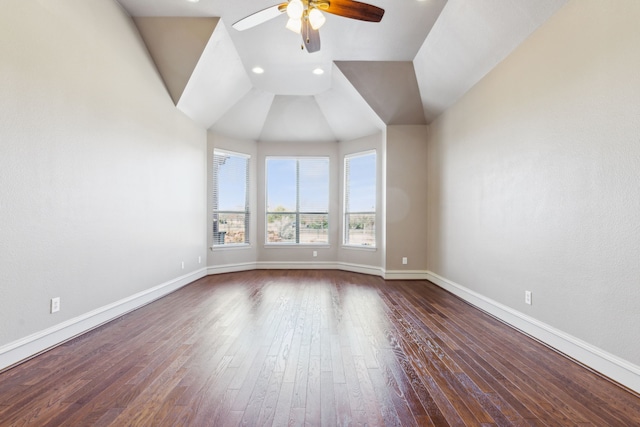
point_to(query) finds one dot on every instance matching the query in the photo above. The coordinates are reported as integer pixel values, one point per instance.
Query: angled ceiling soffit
(176, 45)
(296, 118)
(389, 87)
(218, 82)
(467, 41)
(246, 118)
(348, 114)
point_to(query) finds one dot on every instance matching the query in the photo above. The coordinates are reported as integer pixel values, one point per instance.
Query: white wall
(102, 180)
(534, 185)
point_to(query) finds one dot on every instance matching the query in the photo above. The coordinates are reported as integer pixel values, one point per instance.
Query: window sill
(360, 248)
(233, 247)
(295, 245)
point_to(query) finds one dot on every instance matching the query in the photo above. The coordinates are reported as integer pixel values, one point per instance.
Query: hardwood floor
(308, 347)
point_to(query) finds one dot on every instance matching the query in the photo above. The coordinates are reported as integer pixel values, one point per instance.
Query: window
(230, 198)
(297, 200)
(360, 199)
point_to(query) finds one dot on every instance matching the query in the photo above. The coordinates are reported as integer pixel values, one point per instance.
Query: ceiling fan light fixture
(316, 19)
(294, 25)
(295, 8)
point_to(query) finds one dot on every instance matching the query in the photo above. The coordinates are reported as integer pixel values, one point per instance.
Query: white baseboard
(359, 268)
(231, 268)
(34, 344)
(296, 265)
(405, 275)
(599, 360)
(321, 265)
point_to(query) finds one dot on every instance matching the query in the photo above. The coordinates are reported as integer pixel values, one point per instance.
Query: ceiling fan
(306, 18)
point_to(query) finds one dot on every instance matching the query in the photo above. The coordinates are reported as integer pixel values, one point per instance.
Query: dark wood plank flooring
(323, 348)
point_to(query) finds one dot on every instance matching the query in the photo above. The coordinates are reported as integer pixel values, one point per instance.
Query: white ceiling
(451, 45)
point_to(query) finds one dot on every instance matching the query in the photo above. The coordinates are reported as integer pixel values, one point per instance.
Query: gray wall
(102, 180)
(406, 184)
(534, 184)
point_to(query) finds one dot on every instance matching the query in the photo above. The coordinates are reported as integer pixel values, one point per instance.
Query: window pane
(281, 228)
(314, 185)
(230, 178)
(314, 228)
(231, 228)
(360, 199)
(281, 185)
(297, 200)
(361, 183)
(360, 229)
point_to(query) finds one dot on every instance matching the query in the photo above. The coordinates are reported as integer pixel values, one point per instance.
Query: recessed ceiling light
(318, 71)
(258, 70)
(193, 1)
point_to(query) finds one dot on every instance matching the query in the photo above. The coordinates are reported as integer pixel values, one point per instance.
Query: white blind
(230, 197)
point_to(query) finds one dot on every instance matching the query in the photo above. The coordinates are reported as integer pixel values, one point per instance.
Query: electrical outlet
(199, 260)
(404, 260)
(55, 304)
(315, 253)
(183, 265)
(527, 297)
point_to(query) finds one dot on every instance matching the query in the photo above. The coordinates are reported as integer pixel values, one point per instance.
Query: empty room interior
(423, 212)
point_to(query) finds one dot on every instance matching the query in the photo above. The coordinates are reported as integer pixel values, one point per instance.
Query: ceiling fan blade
(310, 37)
(353, 9)
(259, 17)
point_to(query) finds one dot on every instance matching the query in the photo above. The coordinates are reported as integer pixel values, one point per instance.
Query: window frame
(247, 207)
(345, 204)
(297, 213)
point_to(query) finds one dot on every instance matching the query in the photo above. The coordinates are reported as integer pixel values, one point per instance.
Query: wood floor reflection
(308, 348)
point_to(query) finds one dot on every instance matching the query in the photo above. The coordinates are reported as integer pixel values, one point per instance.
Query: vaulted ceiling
(407, 69)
